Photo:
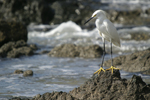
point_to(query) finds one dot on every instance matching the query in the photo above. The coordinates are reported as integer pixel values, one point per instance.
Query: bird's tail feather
(116, 43)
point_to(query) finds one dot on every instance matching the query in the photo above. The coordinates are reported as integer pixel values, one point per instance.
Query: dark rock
(111, 87)
(12, 31)
(129, 17)
(27, 11)
(58, 11)
(44, 52)
(15, 53)
(76, 11)
(16, 49)
(135, 62)
(71, 50)
(138, 36)
(55, 96)
(18, 71)
(20, 98)
(106, 86)
(28, 73)
(33, 46)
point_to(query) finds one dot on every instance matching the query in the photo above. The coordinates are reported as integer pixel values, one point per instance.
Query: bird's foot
(98, 71)
(112, 68)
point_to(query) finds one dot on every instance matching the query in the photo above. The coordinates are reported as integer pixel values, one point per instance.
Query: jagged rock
(55, 96)
(71, 50)
(135, 62)
(112, 87)
(16, 49)
(106, 86)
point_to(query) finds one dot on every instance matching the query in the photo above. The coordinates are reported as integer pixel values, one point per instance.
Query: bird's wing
(111, 32)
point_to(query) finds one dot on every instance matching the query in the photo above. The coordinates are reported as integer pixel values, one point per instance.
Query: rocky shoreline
(17, 14)
(106, 86)
(135, 62)
(78, 11)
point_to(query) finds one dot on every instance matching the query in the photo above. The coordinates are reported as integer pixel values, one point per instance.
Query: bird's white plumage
(106, 28)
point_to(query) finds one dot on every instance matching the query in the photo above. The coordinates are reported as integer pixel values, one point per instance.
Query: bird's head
(96, 14)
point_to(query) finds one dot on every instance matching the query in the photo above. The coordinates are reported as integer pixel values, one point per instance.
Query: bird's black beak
(88, 20)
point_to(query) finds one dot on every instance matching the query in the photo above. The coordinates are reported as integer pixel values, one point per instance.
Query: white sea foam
(69, 32)
(45, 67)
(66, 27)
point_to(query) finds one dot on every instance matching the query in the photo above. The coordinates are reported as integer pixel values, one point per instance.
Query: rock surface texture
(58, 11)
(71, 50)
(105, 86)
(16, 49)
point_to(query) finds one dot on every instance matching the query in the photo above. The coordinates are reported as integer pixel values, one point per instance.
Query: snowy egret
(108, 32)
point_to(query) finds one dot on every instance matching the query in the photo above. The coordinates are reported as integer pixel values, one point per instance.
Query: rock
(105, 86)
(12, 31)
(138, 36)
(20, 98)
(27, 11)
(18, 71)
(55, 96)
(112, 87)
(135, 62)
(76, 11)
(16, 49)
(44, 52)
(33, 46)
(15, 53)
(129, 17)
(71, 50)
(28, 73)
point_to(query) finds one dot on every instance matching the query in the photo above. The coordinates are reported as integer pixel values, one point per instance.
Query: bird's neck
(101, 19)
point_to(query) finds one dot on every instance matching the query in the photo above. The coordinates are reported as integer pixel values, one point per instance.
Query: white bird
(108, 32)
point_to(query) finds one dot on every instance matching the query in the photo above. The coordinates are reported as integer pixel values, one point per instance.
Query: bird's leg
(112, 67)
(101, 68)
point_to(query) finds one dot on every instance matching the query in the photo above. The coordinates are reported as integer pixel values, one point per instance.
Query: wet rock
(18, 71)
(12, 31)
(55, 96)
(106, 86)
(44, 52)
(20, 98)
(135, 62)
(111, 87)
(15, 53)
(33, 46)
(28, 73)
(16, 49)
(71, 50)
